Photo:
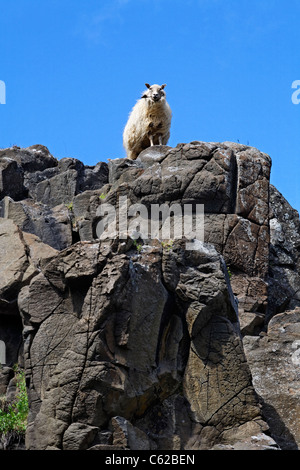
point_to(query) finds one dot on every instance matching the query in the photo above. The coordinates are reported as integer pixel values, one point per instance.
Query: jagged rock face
(59, 202)
(284, 267)
(232, 181)
(20, 255)
(108, 335)
(275, 364)
(141, 348)
(37, 191)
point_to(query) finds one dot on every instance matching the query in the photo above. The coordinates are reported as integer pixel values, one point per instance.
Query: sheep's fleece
(149, 122)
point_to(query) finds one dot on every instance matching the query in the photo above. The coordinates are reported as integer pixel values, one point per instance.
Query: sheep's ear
(163, 86)
(147, 85)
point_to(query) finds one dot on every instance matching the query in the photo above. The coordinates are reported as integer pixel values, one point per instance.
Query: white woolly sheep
(149, 122)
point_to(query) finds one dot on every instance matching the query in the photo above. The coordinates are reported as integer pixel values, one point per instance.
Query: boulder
(274, 359)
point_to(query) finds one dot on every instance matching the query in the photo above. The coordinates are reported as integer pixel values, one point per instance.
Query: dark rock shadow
(278, 429)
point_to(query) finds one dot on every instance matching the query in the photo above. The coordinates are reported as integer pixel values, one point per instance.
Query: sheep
(149, 122)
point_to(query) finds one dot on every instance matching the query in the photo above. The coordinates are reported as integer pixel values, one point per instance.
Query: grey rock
(37, 192)
(284, 266)
(274, 359)
(11, 179)
(127, 436)
(21, 255)
(52, 225)
(91, 296)
(231, 180)
(141, 345)
(6, 374)
(59, 189)
(16, 166)
(79, 436)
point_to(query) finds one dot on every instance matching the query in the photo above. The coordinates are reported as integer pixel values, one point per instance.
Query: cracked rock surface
(149, 345)
(115, 354)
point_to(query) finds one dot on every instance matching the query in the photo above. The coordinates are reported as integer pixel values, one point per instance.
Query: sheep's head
(155, 92)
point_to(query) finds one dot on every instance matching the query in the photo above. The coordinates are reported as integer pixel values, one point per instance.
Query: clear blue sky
(73, 70)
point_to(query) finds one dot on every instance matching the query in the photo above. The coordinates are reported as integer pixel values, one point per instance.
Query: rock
(58, 189)
(127, 436)
(258, 442)
(253, 169)
(284, 277)
(248, 436)
(16, 166)
(213, 174)
(21, 255)
(232, 181)
(274, 360)
(11, 179)
(94, 177)
(140, 344)
(52, 225)
(31, 159)
(37, 192)
(123, 170)
(169, 424)
(6, 374)
(72, 178)
(33, 179)
(94, 310)
(14, 260)
(79, 436)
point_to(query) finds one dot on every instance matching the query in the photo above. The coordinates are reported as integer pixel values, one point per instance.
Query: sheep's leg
(160, 139)
(151, 140)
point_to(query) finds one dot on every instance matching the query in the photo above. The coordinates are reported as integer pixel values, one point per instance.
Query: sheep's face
(155, 93)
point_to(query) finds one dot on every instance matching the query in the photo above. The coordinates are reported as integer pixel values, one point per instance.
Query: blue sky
(74, 69)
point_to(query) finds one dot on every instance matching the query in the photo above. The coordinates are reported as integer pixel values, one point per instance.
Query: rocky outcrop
(274, 359)
(37, 191)
(21, 254)
(232, 181)
(146, 344)
(284, 265)
(96, 351)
